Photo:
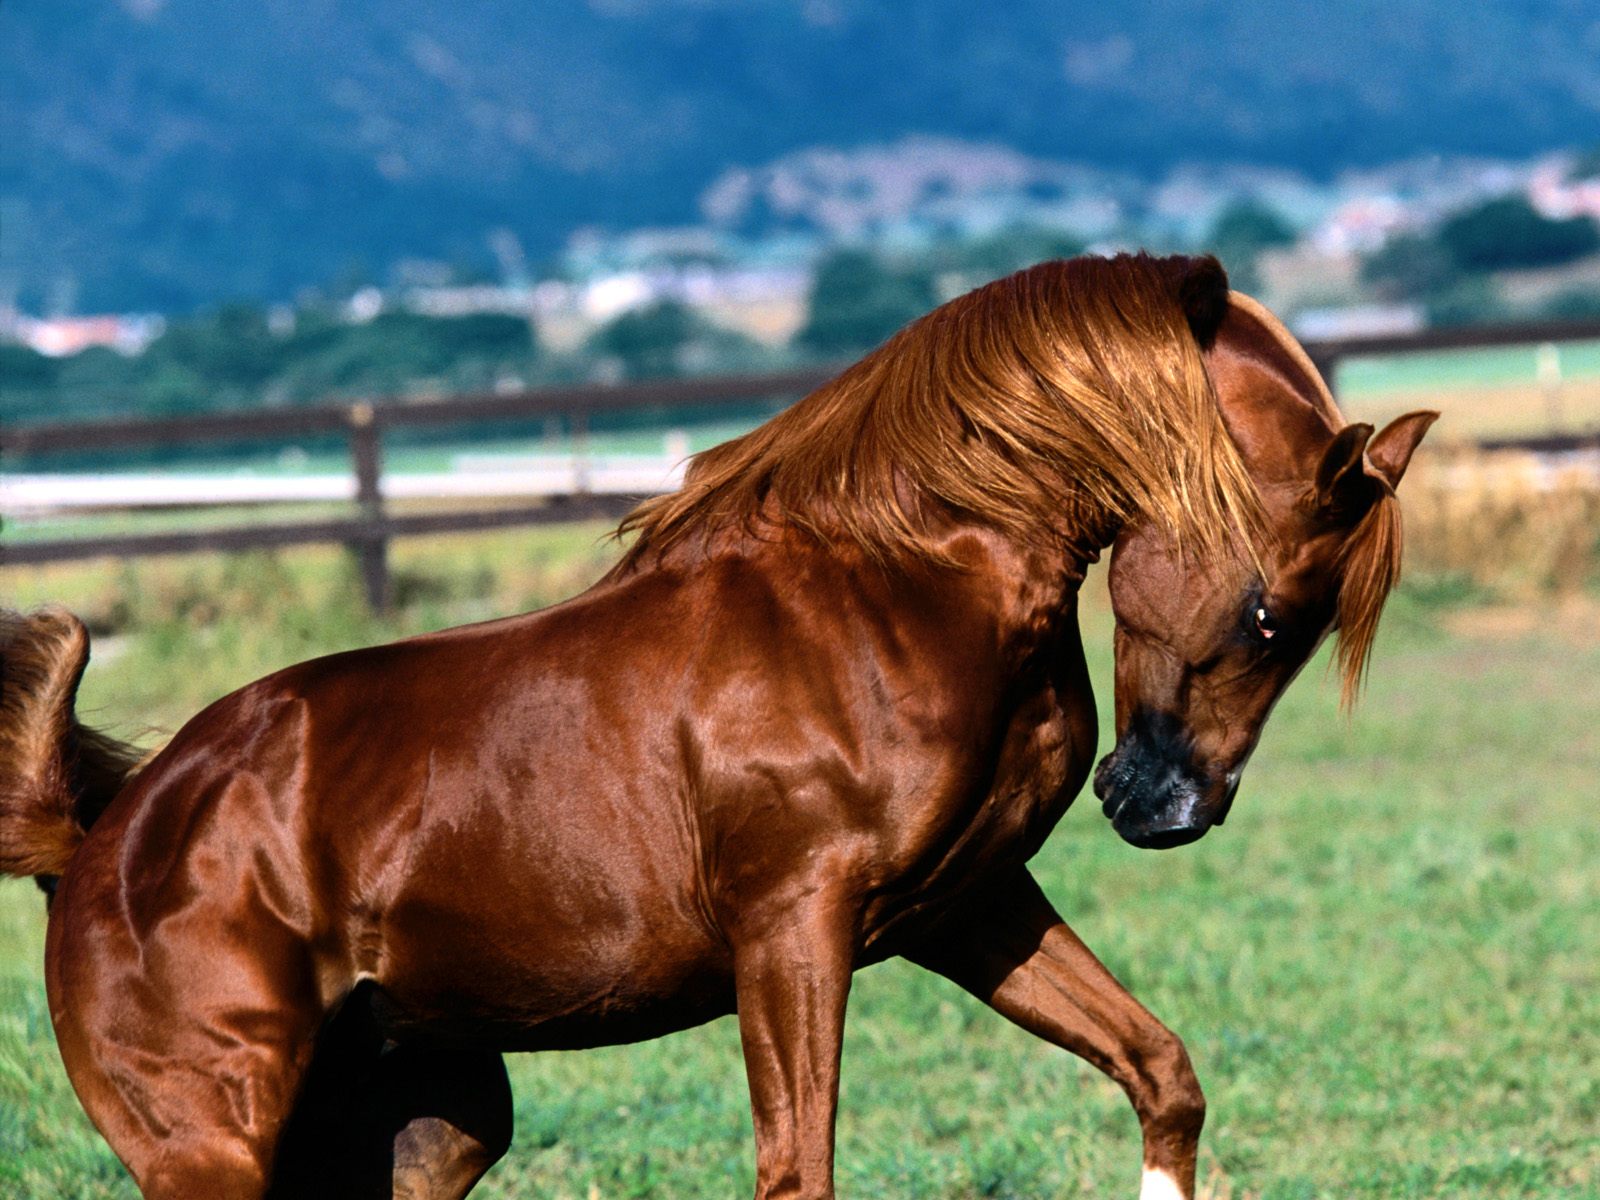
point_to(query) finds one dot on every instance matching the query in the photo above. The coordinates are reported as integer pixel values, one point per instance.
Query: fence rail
(383, 414)
(368, 532)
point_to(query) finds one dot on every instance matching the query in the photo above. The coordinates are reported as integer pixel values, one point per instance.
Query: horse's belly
(552, 962)
(555, 1011)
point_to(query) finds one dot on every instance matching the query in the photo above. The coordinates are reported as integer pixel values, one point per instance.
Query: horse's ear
(1345, 488)
(1389, 451)
(1203, 293)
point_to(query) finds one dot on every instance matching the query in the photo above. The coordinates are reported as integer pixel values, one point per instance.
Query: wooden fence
(363, 425)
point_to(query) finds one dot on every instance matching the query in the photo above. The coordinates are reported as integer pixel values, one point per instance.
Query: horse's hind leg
(451, 1115)
(188, 1065)
(412, 1120)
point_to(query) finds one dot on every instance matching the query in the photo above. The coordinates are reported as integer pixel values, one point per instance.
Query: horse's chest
(1007, 810)
(1043, 761)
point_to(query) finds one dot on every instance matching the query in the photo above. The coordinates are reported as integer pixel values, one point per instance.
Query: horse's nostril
(1152, 800)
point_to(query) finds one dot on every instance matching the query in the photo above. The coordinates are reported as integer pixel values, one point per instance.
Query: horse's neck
(1025, 598)
(1026, 595)
(1035, 597)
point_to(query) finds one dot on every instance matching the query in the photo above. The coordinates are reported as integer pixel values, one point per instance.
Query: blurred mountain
(163, 153)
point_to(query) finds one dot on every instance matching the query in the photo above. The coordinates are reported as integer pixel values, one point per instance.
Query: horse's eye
(1266, 625)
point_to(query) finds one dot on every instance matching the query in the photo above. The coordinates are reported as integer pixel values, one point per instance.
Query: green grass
(1384, 966)
(1362, 377)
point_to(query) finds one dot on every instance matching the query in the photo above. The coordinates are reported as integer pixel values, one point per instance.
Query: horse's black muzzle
(1151, 789)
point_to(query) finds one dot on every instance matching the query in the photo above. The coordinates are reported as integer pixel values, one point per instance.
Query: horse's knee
(410, 1122)
(434, 1160)
(462, 1090)
(454, 1115)
(1167, 1094)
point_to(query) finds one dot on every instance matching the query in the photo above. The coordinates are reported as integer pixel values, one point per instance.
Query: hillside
(162, 153)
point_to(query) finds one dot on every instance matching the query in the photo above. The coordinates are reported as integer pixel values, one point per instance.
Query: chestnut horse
(823, 712)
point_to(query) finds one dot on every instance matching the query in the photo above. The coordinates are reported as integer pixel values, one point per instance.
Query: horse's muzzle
(1148, 785)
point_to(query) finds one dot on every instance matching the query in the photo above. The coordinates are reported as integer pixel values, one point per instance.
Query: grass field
(1493, 392)
(1385, 966)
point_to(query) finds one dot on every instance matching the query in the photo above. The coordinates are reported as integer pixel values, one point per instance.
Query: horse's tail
(56, 776)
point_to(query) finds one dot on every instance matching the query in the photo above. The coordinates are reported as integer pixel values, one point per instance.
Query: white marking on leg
(1158, 1185)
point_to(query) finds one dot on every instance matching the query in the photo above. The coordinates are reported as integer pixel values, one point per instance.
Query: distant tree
(1241, 232)
(1586, 166)
(857, 301)
(1410, 267)
(1576, 304)
(230, 358)
(1472, 300)
(27, 383)
(1012, 249)
(165, 388)
(649, 342)
(1509, 232)
(231, 349)
(24, 367)
(398, 349)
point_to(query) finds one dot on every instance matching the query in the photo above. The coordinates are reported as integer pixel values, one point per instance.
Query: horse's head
(1204, 650)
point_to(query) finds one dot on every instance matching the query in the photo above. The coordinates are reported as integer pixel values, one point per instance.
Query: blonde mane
(1068, 393)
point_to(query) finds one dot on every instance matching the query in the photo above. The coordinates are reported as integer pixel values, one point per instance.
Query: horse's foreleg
(1014, 953)
(793, 978)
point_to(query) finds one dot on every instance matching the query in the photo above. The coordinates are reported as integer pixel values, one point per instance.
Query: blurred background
(323, 323)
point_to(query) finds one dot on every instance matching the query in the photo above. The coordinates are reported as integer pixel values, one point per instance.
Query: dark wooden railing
(363, 424)
(370, 529)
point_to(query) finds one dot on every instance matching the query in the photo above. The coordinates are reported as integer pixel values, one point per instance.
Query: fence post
(371, 548)
(580, 451)
(1547, 369)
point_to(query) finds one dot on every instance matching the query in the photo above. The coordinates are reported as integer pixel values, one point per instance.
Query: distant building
(607, 296)
(1362, 224)
(467, 301)
(365, 305)
(1303, 277)
(1556, 194)
(906, 188)
(767, 304)
(62, 337)
(591, 253)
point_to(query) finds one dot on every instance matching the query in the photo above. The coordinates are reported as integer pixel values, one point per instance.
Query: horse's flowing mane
(1068, 392)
